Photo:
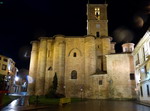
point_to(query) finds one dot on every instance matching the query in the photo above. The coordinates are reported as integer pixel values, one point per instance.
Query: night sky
(22, 21)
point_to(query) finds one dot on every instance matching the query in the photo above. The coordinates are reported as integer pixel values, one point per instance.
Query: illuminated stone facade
(79, 61)
(141, 56)
(121, 76)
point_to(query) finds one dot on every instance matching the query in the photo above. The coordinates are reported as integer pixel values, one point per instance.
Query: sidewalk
(13, 106)
(145, 103)
(23, 108)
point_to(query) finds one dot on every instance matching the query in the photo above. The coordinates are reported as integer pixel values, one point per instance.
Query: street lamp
(16, 78)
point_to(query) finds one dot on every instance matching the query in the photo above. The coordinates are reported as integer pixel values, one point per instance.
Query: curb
(31, 108)
(142, 103)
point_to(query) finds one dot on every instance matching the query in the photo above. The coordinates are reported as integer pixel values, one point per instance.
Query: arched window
(74, 74)
(97, 13)
(74, 54)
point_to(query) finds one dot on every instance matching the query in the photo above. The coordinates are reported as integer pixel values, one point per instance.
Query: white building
(141, 56)
(7, 66)
(8, 70)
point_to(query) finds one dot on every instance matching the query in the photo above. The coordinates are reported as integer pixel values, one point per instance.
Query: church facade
(85, 65)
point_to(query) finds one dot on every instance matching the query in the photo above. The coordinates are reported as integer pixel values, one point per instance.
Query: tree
(55, 82)
(53, 88)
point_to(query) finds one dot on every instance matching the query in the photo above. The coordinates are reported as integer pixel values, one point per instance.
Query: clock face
(97, 26)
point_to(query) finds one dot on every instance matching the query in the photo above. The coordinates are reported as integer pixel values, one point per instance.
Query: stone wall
(74, 63)
(118, 68)
(33, 66)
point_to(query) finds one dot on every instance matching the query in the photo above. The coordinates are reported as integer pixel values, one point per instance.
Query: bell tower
(97, 23)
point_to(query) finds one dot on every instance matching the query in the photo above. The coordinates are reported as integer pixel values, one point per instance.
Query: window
(97, 34)
(97, 13)
(143, 54)
(145, 70)
(0, 58)
(74, 54)
(126, 49)
(74, 74)
(148, 93)
(137, 61)
(4, 67)
(132, 77)
(98, 46)
(5, 60)
(100, 82)
(141, 91)
(130, 49)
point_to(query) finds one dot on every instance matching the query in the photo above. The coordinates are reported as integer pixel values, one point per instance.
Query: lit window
(97, 13)
(100, 82)
(74, 74)
(132, 76)
(74, 54)
(4, 67)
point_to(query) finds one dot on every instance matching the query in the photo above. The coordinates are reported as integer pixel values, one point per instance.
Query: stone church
(86, 66)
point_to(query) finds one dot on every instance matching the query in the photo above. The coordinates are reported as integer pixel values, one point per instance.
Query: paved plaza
(101, 105)
(89, 105)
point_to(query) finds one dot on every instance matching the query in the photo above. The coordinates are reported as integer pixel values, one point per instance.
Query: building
(82, 63)
(7, 66)
(142, 67)
(120, 69)
(8, 71)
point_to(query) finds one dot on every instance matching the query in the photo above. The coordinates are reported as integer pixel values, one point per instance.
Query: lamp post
(64, 90)
(81, 93)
